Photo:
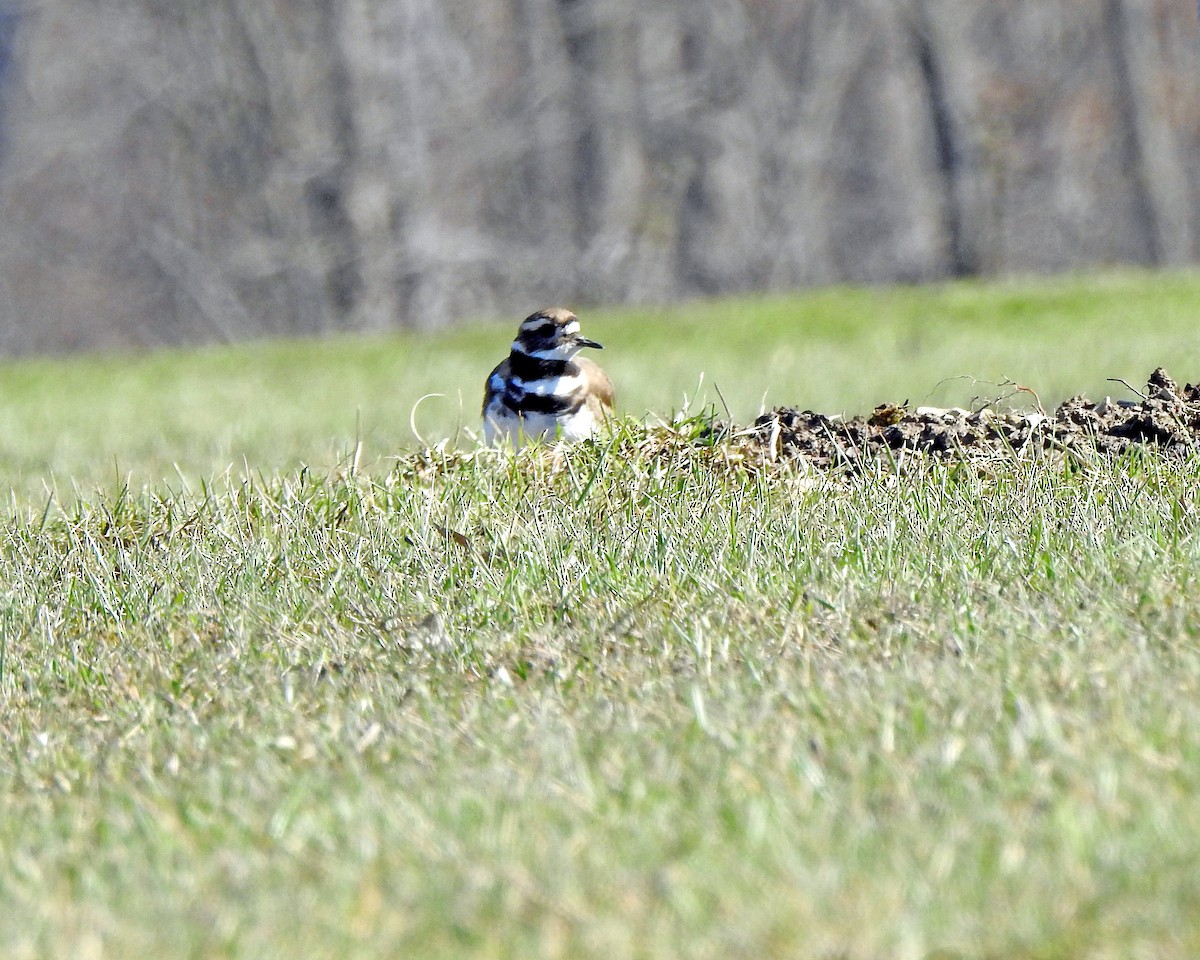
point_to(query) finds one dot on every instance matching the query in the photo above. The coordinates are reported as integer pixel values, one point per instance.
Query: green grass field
(262, 696)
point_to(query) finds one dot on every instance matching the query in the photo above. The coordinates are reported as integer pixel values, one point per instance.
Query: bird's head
(552, 335)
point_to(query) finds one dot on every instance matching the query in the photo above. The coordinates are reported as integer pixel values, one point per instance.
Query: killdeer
(541, 390)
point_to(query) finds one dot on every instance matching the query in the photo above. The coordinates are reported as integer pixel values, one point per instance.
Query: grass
(599, 703)
(92, 422)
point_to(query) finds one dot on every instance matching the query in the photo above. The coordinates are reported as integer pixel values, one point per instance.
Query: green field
(277, 682)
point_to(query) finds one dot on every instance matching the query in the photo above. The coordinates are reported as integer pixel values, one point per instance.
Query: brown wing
(599, 386)
(489, 389)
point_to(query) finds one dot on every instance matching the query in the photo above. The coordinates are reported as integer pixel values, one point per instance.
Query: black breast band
(527, 368)
(524, 403)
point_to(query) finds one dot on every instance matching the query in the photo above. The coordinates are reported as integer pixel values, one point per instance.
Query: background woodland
(191, 170)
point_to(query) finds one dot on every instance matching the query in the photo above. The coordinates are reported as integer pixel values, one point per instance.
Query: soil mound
(1166, 420)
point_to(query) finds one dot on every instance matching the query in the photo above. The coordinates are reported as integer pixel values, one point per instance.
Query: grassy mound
(1166, 420)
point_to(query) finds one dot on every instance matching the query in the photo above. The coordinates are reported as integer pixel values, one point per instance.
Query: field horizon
(145, 417)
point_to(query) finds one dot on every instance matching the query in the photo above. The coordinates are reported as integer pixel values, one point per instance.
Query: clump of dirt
(1166, 419)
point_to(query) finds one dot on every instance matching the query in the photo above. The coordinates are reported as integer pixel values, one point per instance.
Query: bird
(541, 390)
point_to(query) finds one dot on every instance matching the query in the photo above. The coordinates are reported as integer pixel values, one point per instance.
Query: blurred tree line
(183, 170)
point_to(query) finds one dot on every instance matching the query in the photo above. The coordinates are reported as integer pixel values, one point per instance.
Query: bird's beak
(585, 342)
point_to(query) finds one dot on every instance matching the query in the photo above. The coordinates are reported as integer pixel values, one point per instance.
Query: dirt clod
(1165, 420)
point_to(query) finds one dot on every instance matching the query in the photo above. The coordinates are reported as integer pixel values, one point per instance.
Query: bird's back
(599, 386)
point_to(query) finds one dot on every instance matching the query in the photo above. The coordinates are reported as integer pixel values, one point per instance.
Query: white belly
(500, 423)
